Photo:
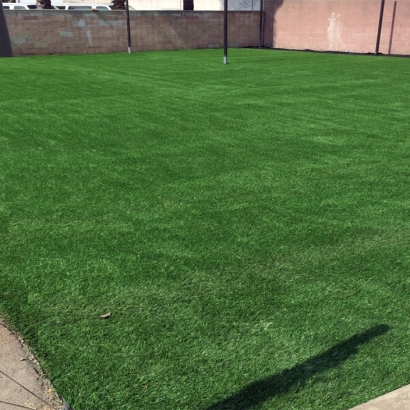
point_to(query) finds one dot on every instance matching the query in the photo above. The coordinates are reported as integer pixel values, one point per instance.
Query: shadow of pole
(392, 26)
(270, 8)
(255, 394)
(5, 44)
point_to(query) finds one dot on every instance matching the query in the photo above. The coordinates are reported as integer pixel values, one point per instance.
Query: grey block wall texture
(40, 32)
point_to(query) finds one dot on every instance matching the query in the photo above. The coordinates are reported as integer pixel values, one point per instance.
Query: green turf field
(246, 225)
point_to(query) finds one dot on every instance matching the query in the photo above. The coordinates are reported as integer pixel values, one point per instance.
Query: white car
(15, 6)
(82, 7)
(19, 6)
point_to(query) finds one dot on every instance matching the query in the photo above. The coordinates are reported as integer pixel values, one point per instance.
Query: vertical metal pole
(5, 43)
(225, 31)
(261, 25)
(127, 6)
(379, 30)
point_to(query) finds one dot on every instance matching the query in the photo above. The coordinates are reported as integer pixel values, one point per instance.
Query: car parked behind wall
(19, 6)
(62, 6)
(15, 6)
(82, 7)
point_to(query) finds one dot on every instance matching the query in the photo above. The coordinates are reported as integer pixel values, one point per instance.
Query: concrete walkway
(396, 400)
(28, 389)
(33, 392)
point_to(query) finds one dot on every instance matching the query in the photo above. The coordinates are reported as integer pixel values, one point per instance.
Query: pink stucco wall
(79, 32)
(338, 25)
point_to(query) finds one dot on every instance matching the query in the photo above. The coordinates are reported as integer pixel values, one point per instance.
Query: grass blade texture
(247, 226)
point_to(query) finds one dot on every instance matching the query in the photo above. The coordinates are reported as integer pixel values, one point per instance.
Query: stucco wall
(76, 32)
(338, 25)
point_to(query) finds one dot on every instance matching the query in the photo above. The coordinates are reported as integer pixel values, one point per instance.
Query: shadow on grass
(255, 394)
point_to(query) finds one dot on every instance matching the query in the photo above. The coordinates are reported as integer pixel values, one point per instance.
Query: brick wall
(338, 25)
(78, 32)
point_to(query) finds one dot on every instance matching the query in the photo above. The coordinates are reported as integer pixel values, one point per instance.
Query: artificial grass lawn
(246, 225)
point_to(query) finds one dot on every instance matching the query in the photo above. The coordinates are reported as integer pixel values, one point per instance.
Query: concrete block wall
(338, 25)
(39, 32)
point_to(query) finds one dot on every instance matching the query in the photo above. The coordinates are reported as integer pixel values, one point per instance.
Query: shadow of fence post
(5, 43)
(270, 9)
(392, 26)
(256, 393)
